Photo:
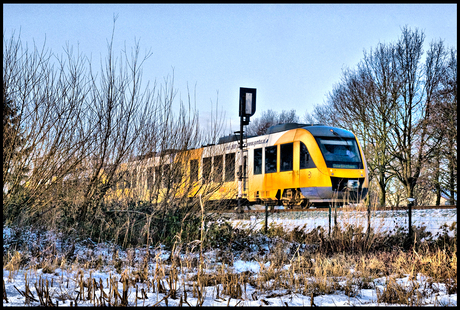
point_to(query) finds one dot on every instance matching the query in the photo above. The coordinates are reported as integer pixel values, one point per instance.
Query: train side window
(286, 156)
(271, 152)
(158, 176)
(134, 179)
(166, 177)
(305, 159)
(207, 169)
(127, 180)
(193, 170)
(258, 161)
(176, 174)
(218, 168)
(149, 177)
(121, 180)
(230, 167)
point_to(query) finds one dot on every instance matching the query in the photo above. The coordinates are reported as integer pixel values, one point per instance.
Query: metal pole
(409, 240)
(368, 220)
(266, 218)
(240, 177)
(410, 221)
(335, 215)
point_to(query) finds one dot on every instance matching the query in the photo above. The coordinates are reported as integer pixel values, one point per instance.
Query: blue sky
(293, 54)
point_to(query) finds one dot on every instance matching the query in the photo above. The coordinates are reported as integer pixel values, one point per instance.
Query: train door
(308, 174)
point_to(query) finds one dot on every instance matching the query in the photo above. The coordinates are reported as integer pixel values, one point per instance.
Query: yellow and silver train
(292, 164)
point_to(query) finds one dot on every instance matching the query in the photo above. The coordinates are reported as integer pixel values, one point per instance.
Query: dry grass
(297, 262)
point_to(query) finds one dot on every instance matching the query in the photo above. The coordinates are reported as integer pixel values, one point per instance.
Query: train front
(343, 163)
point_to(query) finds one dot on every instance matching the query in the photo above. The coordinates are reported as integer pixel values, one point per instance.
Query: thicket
(79, 140)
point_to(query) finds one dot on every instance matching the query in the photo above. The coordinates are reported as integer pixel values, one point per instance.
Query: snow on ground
(64, 287)
(381, 221)
(251, 297)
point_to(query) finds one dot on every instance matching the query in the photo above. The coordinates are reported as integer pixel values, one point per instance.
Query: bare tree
(443, 121)
(49, 97)
(322, 114)
(389, 101)
(117, 108)
(259, 125)
(288, 117)
(413, 144)
(448, 98)
(97, 149)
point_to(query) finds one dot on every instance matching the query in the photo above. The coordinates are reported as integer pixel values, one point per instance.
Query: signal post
(247, 107)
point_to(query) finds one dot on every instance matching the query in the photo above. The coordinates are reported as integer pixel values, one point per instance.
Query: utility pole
(247, 106)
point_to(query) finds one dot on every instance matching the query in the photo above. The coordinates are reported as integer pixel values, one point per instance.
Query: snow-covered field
(63, 287)
(381, 221)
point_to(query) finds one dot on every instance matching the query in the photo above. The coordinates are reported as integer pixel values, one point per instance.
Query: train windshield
(340, 153)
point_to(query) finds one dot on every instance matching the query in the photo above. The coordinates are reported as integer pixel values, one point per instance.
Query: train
(292, 164)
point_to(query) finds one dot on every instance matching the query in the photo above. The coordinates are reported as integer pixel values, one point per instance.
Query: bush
(219, 235)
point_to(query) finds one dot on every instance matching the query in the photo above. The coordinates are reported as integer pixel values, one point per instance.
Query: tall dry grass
(296, 261)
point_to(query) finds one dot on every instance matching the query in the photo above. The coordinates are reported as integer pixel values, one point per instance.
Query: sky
(293, 54)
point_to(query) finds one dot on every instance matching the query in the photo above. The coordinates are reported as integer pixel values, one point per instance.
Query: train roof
(328, 131)
(287, 126)
(317, 130)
